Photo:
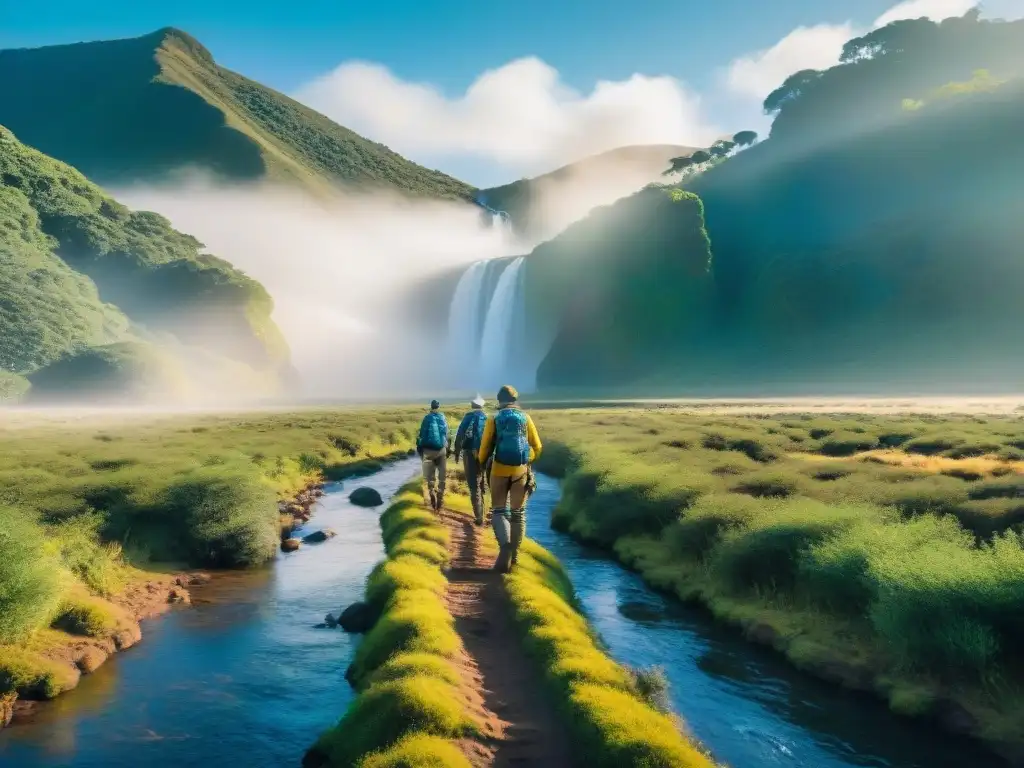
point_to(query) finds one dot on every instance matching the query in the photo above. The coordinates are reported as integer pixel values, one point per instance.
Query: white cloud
(758, 74)
(1003, 9)
(755, 75)
(520, 115)
(936, 10)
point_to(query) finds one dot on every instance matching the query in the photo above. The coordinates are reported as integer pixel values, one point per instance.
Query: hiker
(512, 437)
(432, 445)
(467, 445)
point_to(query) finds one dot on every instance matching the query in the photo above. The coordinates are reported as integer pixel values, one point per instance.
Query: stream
(743, 701)
(245, 677)
(242, 678)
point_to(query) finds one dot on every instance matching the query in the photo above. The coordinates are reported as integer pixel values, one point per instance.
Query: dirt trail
(507, 693)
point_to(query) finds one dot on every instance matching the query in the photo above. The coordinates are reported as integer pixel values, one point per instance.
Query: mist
(337, 269)
(559, 198)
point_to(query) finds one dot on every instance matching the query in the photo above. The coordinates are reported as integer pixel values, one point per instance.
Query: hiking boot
(433, 500)
(440, 501)
(502, 564)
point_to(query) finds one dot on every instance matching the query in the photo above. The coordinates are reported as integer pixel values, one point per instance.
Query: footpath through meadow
(505, 688)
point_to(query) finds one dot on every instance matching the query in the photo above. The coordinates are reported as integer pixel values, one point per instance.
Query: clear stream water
(245, 678)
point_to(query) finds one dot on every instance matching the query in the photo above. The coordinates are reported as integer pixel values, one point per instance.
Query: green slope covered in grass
(82, 273)
(140, 108)
(885, 259)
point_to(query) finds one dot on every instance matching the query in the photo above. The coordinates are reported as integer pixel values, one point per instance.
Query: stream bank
(244, 671)
(746, 703)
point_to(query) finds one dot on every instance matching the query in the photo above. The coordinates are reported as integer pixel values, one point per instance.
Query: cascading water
(464, 318)
(495, 346)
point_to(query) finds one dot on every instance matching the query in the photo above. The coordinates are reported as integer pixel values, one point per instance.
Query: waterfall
(496, 345)
(464, 322)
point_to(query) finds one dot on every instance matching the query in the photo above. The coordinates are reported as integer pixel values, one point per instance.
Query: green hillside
(880, 260)
(80, 273)
(144, 107)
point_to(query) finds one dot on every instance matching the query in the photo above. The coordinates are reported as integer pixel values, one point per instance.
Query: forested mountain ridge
(877, 254)
(143, 108)
(81, 272)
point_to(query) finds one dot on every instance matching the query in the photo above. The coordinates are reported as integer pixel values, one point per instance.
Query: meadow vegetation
(616, 715)
(93, 503)
(882, 552)
(409, 711)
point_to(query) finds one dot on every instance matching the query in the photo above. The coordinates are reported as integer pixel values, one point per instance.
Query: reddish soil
(501, 683)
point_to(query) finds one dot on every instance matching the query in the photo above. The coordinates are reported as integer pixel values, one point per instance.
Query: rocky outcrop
(299, 510)
(357, 618)
(366, 497)
(316, 537)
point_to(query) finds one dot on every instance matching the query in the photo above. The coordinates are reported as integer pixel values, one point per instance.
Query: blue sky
(445, 47)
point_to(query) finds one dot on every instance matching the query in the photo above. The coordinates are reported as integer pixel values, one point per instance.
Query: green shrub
(985, 517)
(772, 485)
(754, 449)
(951, 603)
(936, 495)
(847, 444)
(765, 552)
(1009, 488)
(418, 751)
(87, 617)
(931, 445)
(32, 676)
(699, 529)
(224, 518)
(836, 571)
(830, 473)
(971, 450)
(30, 577)
(894, 439)
(386, 712)
(98, 565)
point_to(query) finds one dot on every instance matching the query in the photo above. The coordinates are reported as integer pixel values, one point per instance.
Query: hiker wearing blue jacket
(467, 445)
(433, 447)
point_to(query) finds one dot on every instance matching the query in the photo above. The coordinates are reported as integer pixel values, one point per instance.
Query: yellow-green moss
(409, 709)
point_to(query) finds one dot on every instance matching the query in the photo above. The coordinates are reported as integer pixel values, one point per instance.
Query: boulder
(357, 618)
(179, 595)
(290, 545)
(365, 497)
(330, 621)
(318, 536)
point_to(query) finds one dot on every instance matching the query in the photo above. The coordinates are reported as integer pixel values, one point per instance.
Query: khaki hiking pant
(508, 515)
(435, 467)
(475, 479)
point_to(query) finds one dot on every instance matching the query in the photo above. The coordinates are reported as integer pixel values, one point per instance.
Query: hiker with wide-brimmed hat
(467, 445)
(513, 439)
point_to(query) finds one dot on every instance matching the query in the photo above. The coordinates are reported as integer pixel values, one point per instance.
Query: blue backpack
(512, 448)
(474, 432)
(434, 431)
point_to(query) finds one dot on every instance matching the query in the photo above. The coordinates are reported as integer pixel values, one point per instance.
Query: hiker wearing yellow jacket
(512, 438)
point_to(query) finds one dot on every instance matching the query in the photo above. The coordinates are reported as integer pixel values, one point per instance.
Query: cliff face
(621, 290)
